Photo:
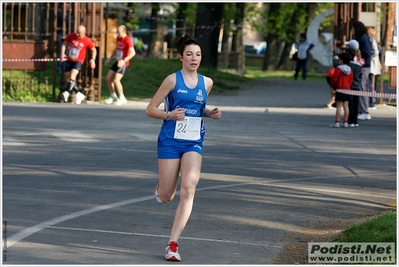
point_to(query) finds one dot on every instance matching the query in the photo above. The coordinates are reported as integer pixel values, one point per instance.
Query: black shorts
(118, 70)
(69, 65)
(342, 97)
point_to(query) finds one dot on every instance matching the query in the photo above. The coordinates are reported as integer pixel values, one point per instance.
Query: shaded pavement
(78, 181)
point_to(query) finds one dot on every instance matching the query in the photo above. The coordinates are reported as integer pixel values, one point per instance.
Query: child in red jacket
(342, 79)
(331, 102)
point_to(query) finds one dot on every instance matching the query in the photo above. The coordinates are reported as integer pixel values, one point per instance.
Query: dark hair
(359, 28)
(351, 52)
(346, 57)
(184, 41)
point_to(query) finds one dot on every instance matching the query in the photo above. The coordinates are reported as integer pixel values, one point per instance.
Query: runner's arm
(166, 87)
(63, 48)
(112, 55)
(214, 113)
(94, 53)
(130, 55)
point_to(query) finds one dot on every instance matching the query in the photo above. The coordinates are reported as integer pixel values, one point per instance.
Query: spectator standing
(359, 31)
(358, 56)
(139, 47)
(303, 47)
(375, 65)
(342, 78)
(331, 102)
(356, 68)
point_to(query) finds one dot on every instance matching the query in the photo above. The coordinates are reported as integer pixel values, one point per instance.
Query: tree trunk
(273, 46)
(180, 20)
(234, 41)
(209, 19)
(227, 31)
(224, 54)
(240, 64)
(285, 62)
(226, 46)
(153, 50)
(311, 10)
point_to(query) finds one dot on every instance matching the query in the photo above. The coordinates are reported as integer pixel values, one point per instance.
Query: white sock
(113, 95)
(122, 96)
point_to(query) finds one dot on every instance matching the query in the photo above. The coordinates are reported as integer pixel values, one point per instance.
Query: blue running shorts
(176, 151)
(73, 65)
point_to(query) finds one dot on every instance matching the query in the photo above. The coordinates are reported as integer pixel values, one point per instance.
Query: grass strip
(379, 229)
(141, 80)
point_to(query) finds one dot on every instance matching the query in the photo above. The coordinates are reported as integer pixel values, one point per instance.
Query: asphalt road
(78, 181)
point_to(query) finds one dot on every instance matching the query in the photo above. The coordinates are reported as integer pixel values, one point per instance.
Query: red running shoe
(172, 253)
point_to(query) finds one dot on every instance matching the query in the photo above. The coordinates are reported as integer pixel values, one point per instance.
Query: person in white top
(375, 64)
(303, 47)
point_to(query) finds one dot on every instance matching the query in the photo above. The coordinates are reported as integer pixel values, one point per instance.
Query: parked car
(255, 48)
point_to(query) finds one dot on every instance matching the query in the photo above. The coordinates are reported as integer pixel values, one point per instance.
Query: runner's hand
(63, 58)
(216, 114)
(92, 64)
(177, 114)
(121, 63)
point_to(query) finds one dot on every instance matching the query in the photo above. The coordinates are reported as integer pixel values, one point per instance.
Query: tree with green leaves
(181, 19)
(131, 21)
(185, 18)
(281, 24)
(233, 27)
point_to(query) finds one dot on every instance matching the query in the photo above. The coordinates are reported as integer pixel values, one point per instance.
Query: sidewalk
(280, 93)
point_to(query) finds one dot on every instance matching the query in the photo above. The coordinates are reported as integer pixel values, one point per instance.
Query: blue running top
(193, 100)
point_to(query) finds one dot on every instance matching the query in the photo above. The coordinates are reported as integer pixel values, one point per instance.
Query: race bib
(188, 129)
(74, 53)
(119, 54)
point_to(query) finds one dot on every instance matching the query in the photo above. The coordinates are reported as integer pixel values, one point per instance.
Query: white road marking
(334, 191)
(74, 136)
(162, 236)
(10, 141)
(145, 136)
(38, 227)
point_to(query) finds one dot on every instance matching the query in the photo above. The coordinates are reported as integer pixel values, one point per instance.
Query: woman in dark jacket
(359, 32)
(354, 100)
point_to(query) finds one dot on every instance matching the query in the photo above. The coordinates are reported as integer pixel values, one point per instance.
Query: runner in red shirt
(123, 52)
(78, 43)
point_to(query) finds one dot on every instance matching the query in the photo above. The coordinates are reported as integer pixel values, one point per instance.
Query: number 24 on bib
(188, 129)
